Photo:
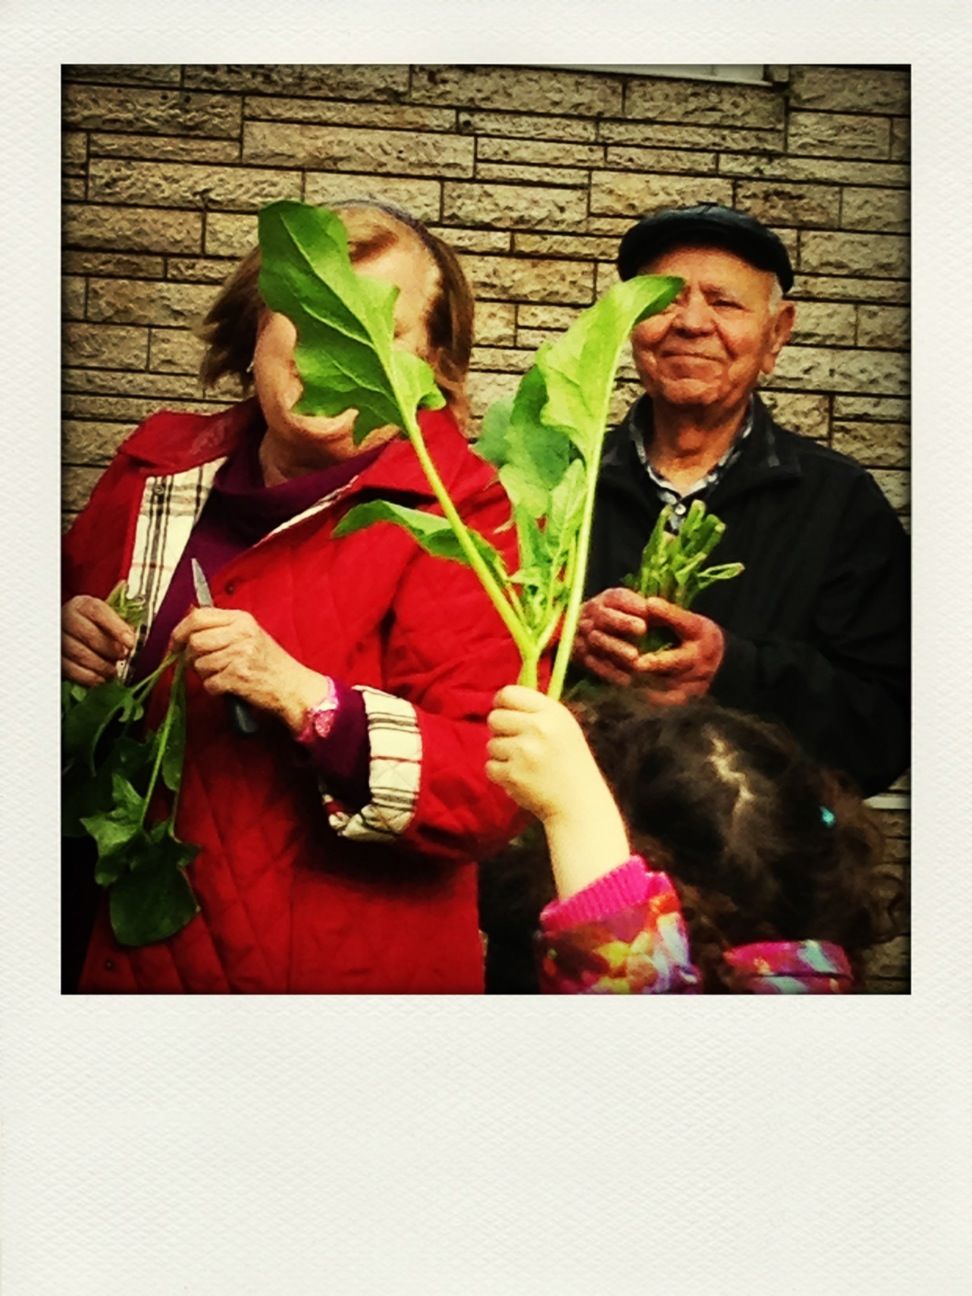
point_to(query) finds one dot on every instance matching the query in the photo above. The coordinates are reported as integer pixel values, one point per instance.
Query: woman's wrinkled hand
(232, 653)
(539, 754)
(94, 638)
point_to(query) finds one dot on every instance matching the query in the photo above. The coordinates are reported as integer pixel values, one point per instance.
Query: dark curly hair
(730, 807)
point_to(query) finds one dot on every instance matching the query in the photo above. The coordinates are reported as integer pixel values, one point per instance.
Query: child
(754, 869)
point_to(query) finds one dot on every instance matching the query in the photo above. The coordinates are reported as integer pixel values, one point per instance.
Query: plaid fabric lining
(394, 773)
(669, 494)
(169, 510)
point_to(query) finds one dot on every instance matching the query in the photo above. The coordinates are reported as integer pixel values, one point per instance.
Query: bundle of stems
(671, 566)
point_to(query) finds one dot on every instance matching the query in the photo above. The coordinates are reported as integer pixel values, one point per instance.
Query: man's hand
(608, 631)
(93, 638)
(674, 675)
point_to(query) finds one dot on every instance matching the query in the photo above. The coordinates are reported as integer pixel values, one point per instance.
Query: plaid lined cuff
(394, 771)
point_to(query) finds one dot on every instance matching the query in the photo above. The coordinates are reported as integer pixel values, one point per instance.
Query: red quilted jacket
(297, 896)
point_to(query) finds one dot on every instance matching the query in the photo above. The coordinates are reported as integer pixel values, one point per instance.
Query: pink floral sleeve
(625, 934)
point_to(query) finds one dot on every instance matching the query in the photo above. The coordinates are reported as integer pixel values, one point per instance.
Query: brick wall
(532, 174)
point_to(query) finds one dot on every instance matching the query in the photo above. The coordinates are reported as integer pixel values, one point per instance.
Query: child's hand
(538, 754)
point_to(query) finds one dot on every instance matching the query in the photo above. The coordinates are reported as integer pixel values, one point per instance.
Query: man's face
(709, 347)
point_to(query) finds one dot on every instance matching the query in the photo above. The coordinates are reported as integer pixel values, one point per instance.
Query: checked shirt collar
(639, 424)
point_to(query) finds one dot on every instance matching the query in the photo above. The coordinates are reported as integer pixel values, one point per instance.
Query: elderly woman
(335, 843)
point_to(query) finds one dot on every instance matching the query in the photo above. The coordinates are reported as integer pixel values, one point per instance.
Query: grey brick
(173, 184)
(164, 148)
(513, 205)
(777, 201)
(885, 255)
(333, 81)
(850, 90)
(388, 152)
(630, 193)
(105, 344)
(134, 229)
(165, 112)
(839, 136)
(876, 445)
(703, 103)
(526, 89)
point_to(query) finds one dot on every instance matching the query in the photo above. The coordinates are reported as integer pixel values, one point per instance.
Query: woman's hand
(94, 638)
(232, 653)
(540, 756)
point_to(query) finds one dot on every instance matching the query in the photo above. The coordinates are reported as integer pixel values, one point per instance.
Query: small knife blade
(243, 719)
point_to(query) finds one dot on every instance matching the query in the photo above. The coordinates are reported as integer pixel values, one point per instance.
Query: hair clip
(828, 817)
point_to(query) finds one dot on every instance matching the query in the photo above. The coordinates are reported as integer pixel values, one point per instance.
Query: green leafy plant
(545, 443)
(671, 566)
(111, 777)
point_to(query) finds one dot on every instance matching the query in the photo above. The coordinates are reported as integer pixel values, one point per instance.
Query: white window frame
(738, 73)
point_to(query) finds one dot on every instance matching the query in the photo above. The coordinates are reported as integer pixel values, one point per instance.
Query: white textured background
(486, 1146)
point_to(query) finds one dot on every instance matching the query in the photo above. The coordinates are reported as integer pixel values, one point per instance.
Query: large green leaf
(530, 455)
(579, 367)
(114, 831)
(92, 795)
(154, 900)
(85, 720)
(433, 533)
(345, 354)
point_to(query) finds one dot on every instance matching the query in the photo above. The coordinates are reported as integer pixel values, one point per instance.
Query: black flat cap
(709, 225)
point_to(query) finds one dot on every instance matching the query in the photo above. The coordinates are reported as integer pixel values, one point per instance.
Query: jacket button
(230, 587)
(109, 965)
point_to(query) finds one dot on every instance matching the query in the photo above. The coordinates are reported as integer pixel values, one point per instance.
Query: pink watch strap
(319, 718)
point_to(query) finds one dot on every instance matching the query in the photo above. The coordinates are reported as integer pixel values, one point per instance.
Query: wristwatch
(319, 719)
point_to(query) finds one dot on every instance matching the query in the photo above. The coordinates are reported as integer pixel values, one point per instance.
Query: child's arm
(539, 755)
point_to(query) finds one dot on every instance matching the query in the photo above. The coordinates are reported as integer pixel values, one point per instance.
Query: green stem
(496, 596)
(163, 736)
(528, 671)
(572, 614)
(145, 686)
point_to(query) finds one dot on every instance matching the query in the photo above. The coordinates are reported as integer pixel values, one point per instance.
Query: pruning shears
(242, 717)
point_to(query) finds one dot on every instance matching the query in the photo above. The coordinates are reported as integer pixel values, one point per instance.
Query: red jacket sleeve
(448, 653)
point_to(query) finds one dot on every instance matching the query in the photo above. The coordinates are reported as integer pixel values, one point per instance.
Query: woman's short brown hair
(230, 327)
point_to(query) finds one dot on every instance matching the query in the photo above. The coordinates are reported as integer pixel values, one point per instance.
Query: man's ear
(780, 330)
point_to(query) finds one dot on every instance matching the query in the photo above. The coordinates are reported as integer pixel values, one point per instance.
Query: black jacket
(817, 626)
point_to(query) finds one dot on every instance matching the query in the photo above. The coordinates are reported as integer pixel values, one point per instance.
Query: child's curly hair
(760, 841)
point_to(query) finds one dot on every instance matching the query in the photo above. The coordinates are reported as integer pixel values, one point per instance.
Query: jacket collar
(766, 455)
(171, 442)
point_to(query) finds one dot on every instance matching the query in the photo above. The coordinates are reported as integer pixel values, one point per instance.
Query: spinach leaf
(87, 719)
(433, 533)
(345, 354)
(109, 784)
(154, 900)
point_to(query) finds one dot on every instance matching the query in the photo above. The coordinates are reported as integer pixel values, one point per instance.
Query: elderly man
(815, 632)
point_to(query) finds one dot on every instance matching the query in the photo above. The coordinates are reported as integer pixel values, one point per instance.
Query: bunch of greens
(545, 444)
(110, 779)
(671, 566)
